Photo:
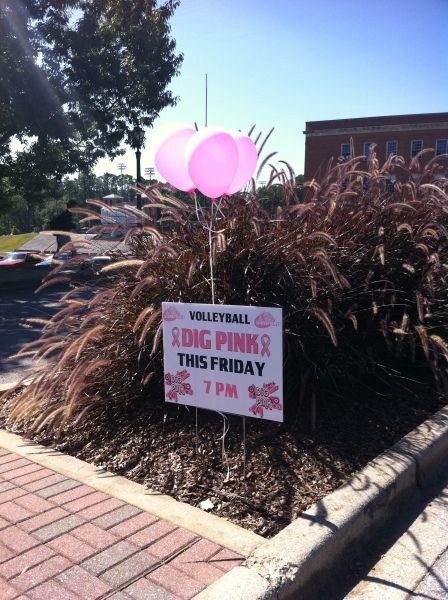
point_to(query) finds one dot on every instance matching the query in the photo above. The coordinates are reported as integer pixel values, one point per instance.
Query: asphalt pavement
(16, 306)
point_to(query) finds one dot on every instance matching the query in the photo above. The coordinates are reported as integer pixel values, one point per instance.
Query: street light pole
(139, 176)
(137, 139)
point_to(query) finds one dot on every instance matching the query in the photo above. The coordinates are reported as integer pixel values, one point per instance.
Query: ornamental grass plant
(359, 268)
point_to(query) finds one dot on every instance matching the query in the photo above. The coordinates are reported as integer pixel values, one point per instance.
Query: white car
(98, 262)
(46, 262)
(51, 259)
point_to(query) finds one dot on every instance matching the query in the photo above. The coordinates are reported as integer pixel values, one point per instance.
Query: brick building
(405, 135)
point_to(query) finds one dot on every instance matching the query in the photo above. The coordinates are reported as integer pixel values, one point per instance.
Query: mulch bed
(287, 469)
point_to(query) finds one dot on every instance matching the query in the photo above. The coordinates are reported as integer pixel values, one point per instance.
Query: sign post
(224, 358)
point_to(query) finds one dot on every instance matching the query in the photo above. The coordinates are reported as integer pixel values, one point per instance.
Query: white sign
(224, 358)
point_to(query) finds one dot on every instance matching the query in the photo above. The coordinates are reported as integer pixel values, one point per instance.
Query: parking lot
(16, 306)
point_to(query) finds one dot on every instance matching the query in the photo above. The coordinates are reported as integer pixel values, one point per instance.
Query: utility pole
(121, 168)
(149, 173)
(206, 99)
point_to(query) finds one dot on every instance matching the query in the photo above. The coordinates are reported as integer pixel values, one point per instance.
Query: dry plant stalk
(359, 269)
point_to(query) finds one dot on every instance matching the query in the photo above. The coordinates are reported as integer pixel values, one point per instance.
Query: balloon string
(218, 207)
(225, 421)
(210, 253)
(198, 208)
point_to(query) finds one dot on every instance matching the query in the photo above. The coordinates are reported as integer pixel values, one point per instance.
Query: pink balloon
(248, 156)
(169, 157)
(212, 161)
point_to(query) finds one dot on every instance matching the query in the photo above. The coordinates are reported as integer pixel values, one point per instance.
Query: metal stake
(223, 438)
(196, 436)
(244, 447)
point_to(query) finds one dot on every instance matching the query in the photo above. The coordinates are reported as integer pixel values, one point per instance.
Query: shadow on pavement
(16, 306)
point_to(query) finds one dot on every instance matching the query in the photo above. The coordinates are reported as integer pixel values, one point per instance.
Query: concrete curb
(206, 525)
(4, 387)
(288, 565)
(399, 572)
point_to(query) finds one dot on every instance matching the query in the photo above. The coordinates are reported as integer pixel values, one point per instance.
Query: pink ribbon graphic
(175, 332)
(265, 342)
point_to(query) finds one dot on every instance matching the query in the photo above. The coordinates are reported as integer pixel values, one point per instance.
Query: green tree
(20, 217)
(75, 77)
(71, 190)
(6, 196)
(88, 185)
(299, 187)
(110, 184)
(272, 196)
(50, 215)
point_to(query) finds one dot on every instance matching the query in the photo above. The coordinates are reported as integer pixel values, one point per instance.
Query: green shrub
(359, 269)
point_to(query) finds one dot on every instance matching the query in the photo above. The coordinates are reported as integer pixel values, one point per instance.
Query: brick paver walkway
(62, 540)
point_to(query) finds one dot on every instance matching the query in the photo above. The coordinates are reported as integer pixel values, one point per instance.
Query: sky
(284, 62)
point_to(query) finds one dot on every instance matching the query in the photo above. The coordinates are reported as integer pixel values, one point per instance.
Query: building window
(367, 149)
(345, 151)
(391, 148)
(441, 147)
(416, 146)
